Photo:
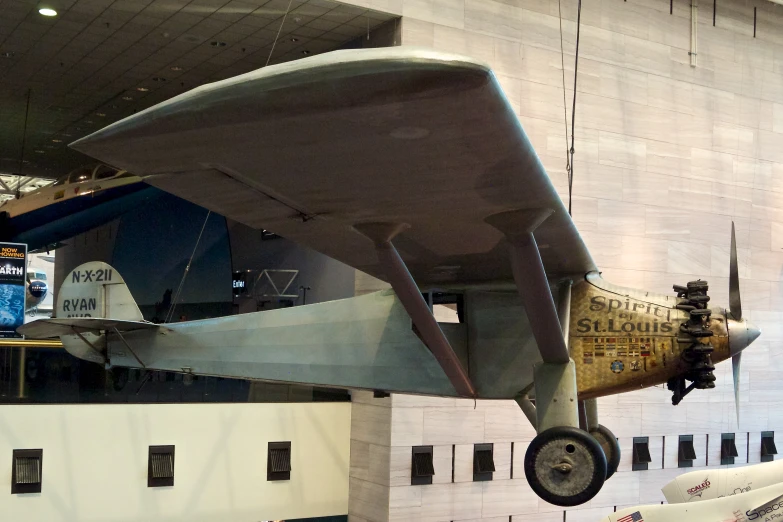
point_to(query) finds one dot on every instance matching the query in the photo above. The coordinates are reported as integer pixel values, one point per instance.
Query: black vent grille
(160, 466)
(26, 474)
(278, 464)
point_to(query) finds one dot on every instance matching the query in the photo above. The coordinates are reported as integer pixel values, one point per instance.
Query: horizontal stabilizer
(45, 328)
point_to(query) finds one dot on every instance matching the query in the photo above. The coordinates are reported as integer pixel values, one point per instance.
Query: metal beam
(409, 294)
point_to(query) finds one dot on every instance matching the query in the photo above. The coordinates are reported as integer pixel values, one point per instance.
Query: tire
(611, 448)
(565, 466)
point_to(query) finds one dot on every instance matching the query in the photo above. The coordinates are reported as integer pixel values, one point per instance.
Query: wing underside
(310, 148)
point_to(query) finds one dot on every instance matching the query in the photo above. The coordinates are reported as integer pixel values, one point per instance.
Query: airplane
(410, 165)
(764, 505)
(707, 484)
(80, 201)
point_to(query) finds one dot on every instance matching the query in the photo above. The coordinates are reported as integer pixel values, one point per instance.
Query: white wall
(95, 461)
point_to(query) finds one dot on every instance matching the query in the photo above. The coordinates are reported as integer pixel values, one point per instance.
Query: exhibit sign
(13, 275)
(239, 283)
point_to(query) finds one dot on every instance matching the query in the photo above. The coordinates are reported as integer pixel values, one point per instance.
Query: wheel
(611, 448)
(565, 466)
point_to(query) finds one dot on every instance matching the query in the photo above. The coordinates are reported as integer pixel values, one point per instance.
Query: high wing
(309, 149)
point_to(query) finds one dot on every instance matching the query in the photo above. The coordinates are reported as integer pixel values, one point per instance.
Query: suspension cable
(170, 315)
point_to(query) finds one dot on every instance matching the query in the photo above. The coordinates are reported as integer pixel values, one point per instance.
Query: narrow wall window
(422, 468)
(641, 454)
(686, 453)
(483, 462)
(728, 450)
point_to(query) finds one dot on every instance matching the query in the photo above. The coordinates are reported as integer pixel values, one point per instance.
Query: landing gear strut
(565, 466)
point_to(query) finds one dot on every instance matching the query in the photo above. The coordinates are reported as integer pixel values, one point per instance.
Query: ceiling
(99, 61)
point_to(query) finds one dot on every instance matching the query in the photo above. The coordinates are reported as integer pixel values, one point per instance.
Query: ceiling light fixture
(100, 114)
(57, 141)
(216, 43)
(176, 68)
(46, 11)
(294, 39)
(142, 89)
(127, 98)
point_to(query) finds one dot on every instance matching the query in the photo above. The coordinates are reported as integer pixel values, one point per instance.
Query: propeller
(735, 308)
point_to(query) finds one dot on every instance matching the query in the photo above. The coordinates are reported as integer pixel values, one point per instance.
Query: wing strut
(409, 294)
(531, 280)
(555, 377)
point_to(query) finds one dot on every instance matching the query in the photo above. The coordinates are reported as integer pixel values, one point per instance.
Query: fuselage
(80, 201)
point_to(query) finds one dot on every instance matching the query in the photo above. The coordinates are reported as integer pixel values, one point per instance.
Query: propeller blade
(735, 368)
(735, 304)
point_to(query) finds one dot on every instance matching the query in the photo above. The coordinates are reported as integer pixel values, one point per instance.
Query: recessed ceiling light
(100, 114)
(176, 68)
(305, 52)
(57, 141)
(158, 79)
(46, 11)
(127, 98)
(217, 43)
(142, 89)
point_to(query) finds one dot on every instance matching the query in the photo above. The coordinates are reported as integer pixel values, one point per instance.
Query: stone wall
(667, 155)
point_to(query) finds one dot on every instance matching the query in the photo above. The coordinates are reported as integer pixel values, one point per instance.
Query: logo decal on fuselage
(697, 491)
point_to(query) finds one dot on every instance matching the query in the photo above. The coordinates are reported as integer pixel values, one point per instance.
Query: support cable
(277, 36)
(573, 107)
(565, 104)
(187, 269)
(24, 142)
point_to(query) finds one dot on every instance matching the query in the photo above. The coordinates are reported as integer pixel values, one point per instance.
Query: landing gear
(565, 466)
(611, 448)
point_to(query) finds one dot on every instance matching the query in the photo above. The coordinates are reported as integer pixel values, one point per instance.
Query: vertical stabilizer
(95, 289)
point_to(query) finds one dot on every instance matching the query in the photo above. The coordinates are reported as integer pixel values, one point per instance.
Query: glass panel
(104, 172)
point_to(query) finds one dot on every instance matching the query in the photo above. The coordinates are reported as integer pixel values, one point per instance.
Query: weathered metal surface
(621, 343)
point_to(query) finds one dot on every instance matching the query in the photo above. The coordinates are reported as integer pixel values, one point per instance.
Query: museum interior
(391, 260)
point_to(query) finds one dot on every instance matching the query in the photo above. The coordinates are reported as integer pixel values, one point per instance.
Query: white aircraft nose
(741, 334)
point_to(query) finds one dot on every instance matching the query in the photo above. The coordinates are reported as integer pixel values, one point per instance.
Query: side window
(104, 172)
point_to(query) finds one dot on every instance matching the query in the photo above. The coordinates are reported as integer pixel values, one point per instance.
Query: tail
(93, 301)
(96, 290)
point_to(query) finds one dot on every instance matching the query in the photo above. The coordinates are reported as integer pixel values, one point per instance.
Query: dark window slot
(641, 454)
(422, 467)
(483, 462)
